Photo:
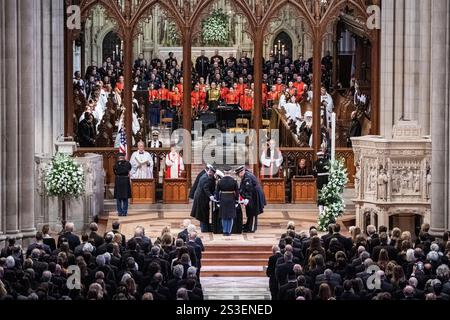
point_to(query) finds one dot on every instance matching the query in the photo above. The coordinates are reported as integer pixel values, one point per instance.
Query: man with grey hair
(182, 294)
(408, 293)
(174, 284)
(154, 256)
(184, 234)
(328, 277)
(141, 239)
(283, 270)
(69, 237)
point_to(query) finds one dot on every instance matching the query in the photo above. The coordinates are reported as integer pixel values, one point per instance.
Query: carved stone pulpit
(393, 178)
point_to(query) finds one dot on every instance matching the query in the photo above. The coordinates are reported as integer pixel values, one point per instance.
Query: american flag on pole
(123, 142)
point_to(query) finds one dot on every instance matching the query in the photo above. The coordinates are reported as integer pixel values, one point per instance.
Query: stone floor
(231, 288)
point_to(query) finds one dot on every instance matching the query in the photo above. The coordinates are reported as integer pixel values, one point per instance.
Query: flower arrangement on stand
(64, 179)
(216, 29)
(331, 195)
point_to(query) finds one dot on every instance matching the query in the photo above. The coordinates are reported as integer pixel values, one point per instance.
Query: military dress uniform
(321, 172)
(202, 198)
(253, 198)
(227, 193)
(122, 188)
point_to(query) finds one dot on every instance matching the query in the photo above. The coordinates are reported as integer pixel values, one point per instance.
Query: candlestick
(333, 136)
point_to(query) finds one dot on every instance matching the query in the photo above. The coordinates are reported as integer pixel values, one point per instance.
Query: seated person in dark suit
(39, 244)
(303, 170)
(68, 235)
(47, 239)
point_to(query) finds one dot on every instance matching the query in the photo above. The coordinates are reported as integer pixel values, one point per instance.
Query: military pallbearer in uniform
(122, 188)
(204, 194)
(252, 197)
(321, 172)
(227, 192)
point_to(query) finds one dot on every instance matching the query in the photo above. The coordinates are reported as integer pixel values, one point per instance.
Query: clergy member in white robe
(293, 110)
(141, 163)
(271, 160)
(327, 101)
(174, 165)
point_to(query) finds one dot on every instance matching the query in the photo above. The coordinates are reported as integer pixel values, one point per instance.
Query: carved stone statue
(395, 182)
(428, 185)
(417, 182)
(357, 179)
(89, 180)
(382, 184)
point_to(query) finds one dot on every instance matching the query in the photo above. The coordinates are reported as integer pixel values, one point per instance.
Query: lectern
(175, 191)
(304, 190)
(143, 191)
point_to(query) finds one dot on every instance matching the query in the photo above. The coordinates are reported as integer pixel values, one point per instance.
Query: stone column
(2, 120)
(424, 65)
(26, 111)
(440, 113)
(10, 152)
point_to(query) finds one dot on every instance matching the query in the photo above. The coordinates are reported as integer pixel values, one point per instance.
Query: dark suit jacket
(283, 293)
(40, 246)
(270, 271)
(98, 240)
(184, 234)
(282, 271)
(197, 250)
(71, 238)
(346, 242)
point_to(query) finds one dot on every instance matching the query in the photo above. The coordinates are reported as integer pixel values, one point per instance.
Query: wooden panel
(347, 155)
(274, 190)
(143, 191)
(175, 191)
(304, 190)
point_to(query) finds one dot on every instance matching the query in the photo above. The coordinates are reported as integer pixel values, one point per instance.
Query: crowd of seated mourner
(376, 265)
(111, 267)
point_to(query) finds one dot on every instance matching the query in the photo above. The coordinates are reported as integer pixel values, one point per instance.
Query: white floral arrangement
(64, 178)
(216, 28)
(331, 195)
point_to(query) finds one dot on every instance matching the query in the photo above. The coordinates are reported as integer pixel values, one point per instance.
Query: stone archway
(283, 39)
(111, 46)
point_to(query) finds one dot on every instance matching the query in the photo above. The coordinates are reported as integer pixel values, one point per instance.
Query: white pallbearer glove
(212, 198)
(246, 201)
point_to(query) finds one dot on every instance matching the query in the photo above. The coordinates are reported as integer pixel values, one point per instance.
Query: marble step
(236, 255)
(227, 248)
(233, 271)
(234, 262)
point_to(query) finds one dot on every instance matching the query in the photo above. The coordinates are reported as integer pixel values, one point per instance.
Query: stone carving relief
(41, 168)
(406, 178)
